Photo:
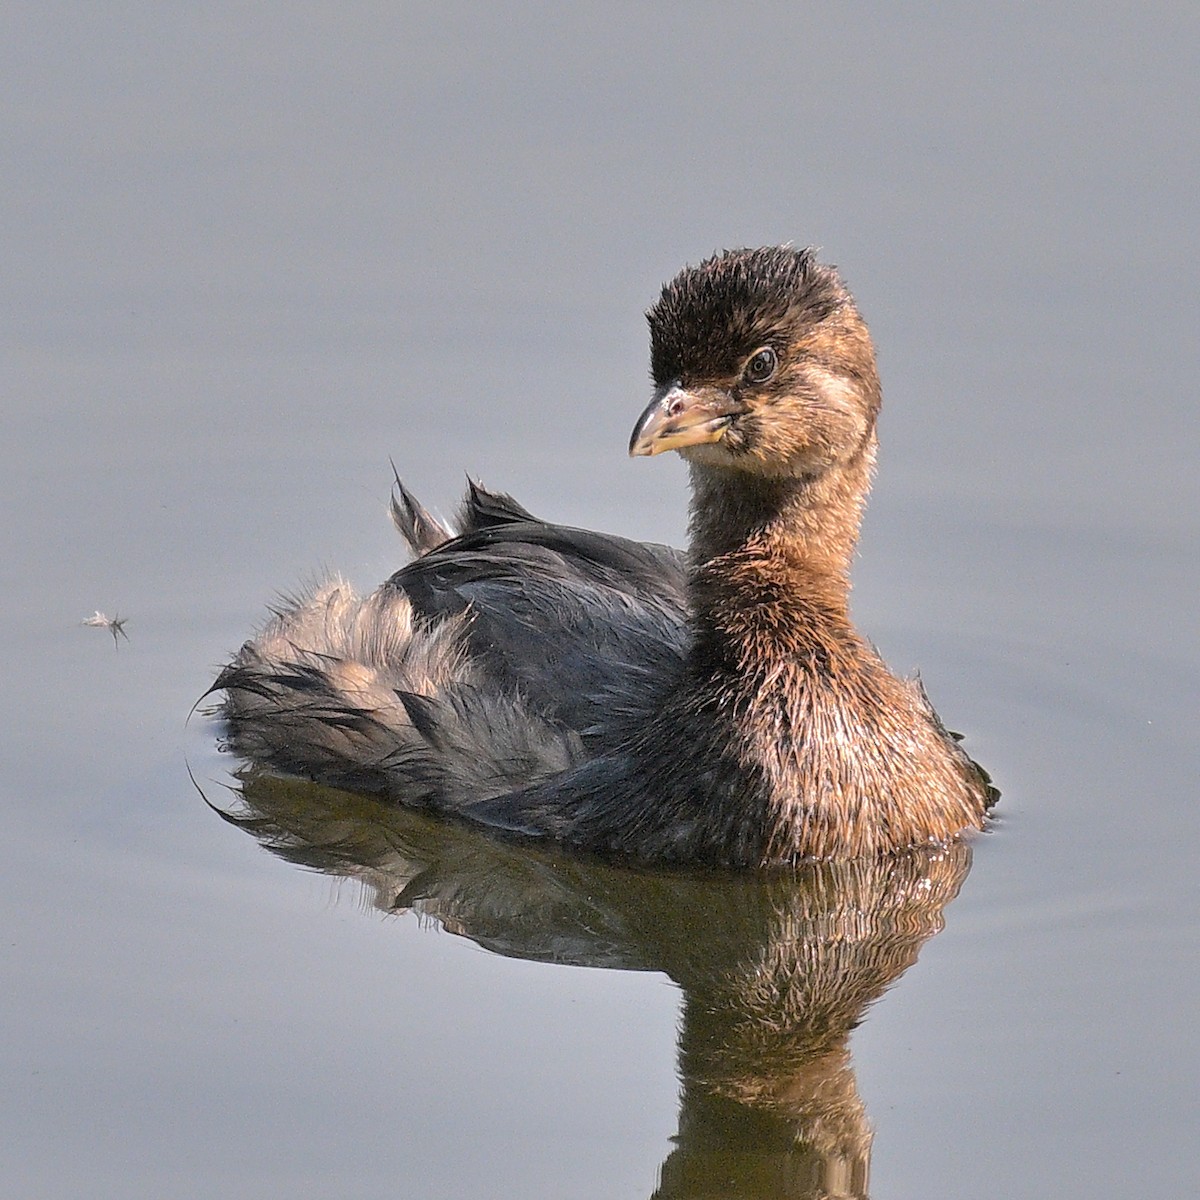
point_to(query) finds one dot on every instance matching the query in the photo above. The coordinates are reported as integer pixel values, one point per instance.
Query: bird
(713, 707)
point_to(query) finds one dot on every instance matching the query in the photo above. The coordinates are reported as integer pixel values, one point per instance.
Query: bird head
(762, 364)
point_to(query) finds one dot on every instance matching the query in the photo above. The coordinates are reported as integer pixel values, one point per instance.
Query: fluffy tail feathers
(363, 693)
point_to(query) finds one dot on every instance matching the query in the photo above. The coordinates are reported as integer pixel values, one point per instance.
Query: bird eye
(761, 366)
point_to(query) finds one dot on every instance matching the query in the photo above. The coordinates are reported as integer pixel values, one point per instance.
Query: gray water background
(249, 253)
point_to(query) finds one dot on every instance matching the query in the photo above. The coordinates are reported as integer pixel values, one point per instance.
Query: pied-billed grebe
(620, 697)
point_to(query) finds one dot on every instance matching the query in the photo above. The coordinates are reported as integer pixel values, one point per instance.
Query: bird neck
(769, 548)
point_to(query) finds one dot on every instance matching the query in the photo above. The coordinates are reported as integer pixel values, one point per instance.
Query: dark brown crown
(711, 316)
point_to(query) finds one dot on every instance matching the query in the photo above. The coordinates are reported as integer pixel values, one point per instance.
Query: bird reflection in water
(775, 968)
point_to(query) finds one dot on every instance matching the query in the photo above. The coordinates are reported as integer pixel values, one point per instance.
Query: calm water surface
(247, 259)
